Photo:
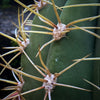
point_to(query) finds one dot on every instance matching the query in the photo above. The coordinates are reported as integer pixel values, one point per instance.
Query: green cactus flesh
(96, 74)
(60, 54)
(37, 40)
(78, 44)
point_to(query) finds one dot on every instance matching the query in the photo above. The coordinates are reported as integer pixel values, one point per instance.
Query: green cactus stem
(60, 54)
(37, 40)
(96, 93)
(77, 44)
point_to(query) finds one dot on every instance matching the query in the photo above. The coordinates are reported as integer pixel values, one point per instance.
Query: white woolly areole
(20, 86)
(25, 43)
(57, 32)
(50, 81)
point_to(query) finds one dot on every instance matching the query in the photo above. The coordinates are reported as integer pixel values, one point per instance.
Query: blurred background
(8, 15)
(8, 3)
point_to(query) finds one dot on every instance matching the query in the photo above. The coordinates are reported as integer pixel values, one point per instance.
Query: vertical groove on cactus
(96, 94)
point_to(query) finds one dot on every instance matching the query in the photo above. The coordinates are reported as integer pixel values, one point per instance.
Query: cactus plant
(64, 51)
(57, 56)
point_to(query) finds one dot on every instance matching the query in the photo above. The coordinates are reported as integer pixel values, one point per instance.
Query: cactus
(77, 45)
(75, 42)
(61, 54)
(37, 40)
